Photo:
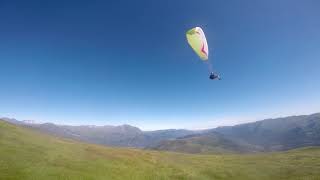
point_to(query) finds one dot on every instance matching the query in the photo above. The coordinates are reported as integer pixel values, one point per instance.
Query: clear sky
(115, 62)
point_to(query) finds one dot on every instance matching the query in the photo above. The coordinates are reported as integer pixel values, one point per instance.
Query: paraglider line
(209, 66)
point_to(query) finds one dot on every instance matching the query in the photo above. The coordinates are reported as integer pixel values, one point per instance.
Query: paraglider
(214, 76)
(198, 42)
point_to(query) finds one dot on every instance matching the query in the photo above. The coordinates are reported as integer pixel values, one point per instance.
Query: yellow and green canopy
(198, 42)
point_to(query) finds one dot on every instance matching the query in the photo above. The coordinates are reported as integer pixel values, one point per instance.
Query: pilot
(214, 76)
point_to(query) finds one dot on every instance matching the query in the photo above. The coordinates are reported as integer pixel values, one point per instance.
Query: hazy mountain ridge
(120, 136)
(206, 143)
(261, 136)
(124, 135)
(278, 134)
(266, 135)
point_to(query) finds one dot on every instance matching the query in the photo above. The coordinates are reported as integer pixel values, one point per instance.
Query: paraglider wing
(198, 42)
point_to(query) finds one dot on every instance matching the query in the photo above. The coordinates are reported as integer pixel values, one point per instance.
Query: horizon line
(125, 124)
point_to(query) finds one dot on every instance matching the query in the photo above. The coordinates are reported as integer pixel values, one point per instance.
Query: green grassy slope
(27, 154)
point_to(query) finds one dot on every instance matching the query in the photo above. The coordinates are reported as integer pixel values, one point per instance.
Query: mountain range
(261, 136)
(278, 134)
(118, 136)
(28, 154)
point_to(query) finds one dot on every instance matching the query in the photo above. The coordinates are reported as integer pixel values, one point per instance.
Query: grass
(28, 154)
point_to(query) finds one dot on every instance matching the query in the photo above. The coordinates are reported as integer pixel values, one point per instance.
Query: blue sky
(104, 62)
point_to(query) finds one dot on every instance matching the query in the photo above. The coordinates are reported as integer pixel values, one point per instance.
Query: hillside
(278, 134)
(208, 143)
(262, 136)
(117, 136)
(29, 154)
